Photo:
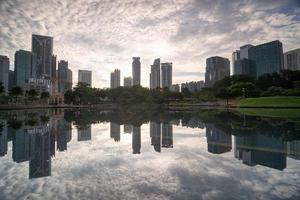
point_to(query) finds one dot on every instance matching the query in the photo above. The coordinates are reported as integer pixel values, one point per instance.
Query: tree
(224, 93)
(32, 94)
(45, 95)
(15, 92)
(1, 88)
(69, 97)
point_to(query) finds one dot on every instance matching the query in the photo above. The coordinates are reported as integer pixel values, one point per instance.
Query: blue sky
(104, 35)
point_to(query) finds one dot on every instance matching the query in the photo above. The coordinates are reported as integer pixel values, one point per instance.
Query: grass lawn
(269, 112)
(270, 102)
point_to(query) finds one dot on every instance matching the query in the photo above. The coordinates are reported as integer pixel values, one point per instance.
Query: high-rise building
(268, 57)
(62, 75)
(166, 75)
(167, 135)
(3, 138)
(42, 47)
(155, 74)
(4, 72)
(25, 67)
(69, 80)
(85, 76)
(292, 60)
(245, 67)
(54, 75)
(218, 142)
(155, 134)
(127, 81)
(244, 51)
(115, 78)
(11, 79)
(192, 86)
(235, 57)
(136, 71)
(115, 131)
(216, 69)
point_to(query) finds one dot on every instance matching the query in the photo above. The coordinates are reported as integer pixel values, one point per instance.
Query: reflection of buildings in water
(136, 140)
(167, 135)
(175, 122)
(255, 148)
(21, 145)
(161, 135)
(127, 128)
(3, 138)
(218, 142)
(64, 134)
(40, 158)
(84, 134)
(155, 134)
(293, 149)
(193, 122)
(115, 131)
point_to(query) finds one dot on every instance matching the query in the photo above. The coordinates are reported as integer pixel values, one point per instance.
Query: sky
(103, 35)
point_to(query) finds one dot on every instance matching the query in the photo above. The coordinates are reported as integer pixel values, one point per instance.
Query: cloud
(104, 35)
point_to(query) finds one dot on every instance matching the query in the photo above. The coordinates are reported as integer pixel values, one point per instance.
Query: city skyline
(114, 45)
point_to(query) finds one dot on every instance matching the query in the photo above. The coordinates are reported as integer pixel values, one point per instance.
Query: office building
(115, 78)
(127, 82)
(85, 76)
(136, 71)
(167, 135)
(4, 72)
(62, 76)
(3, 138)
(11, 79)
(166, 75)
(54, 75)
(155, 134)
(21, 146)
(244, 51)
(235, 57)
(218, 142)
(292, 60)
(217, 68)
(194, 86)
(155, 74)
(268, 57)
(70, 79)
(245, 67)
(38, 84)
(25, 67)
(42, 47)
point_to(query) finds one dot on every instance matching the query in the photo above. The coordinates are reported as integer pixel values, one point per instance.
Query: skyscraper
(42, 47)
(166, 75)
(235, 57)
(216, 69)
(84, 134)
(268, 57)
(127, 81)
(25, 67)
(115, 79)
(115, 131)
(136, 71)
(245, 67)
(4, 71)
(136, 140)
(155, 74)
(62, 74)
(85, 76)
(69, 79)
(244, 51)
(292, 60)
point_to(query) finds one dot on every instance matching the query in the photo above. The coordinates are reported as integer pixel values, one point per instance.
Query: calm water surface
(90, 154)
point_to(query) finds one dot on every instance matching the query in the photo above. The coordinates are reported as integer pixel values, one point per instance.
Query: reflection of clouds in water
(103, 169)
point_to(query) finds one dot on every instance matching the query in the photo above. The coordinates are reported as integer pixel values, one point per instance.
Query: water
(89, 154)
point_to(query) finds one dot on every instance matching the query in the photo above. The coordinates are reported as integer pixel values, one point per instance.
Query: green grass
(269, 112)
(270, 102)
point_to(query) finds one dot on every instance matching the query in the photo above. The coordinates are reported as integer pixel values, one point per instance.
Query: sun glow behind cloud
(104, 35)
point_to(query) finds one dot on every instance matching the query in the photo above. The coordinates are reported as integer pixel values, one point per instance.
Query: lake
(142, 154)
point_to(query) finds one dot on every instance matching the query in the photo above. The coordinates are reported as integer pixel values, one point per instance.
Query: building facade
(127, 81)
(292, 60)
(85, 76)
(235, 57)
(166, 75)
(62, 76)
(194, 86)
(25, 67)
(136, 71)
(155, 74)
(4, 72)
(217, 68)
(115, 78)
(245, 67)
(268, 57)
(42, 47)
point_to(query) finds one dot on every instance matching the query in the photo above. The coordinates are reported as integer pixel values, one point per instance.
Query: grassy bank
(267, 112)
(270, 102)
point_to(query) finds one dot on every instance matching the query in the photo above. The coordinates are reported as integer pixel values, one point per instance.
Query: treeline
(19, 96)
(285, 83)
